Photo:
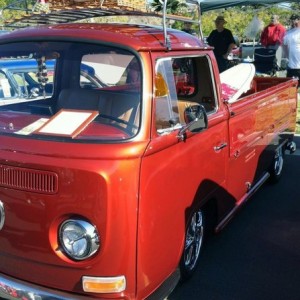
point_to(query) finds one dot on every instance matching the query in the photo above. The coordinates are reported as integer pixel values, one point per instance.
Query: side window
(182, 82)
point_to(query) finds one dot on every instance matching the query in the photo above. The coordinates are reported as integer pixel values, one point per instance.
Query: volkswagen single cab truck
(108, 187)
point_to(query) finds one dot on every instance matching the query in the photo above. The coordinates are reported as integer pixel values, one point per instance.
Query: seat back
(123, 106)
(82, 99)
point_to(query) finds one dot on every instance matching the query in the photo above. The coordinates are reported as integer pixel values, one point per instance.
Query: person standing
(223, 42)
(187, 27)
(272, 38)
(291, 44)
(272, 35)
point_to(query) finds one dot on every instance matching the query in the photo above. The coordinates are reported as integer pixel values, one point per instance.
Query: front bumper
(11, 289)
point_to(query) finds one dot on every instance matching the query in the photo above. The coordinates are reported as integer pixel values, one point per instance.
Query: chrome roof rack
(69, 16)
(39, 12)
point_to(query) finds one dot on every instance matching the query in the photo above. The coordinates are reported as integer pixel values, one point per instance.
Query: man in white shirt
(291, 43)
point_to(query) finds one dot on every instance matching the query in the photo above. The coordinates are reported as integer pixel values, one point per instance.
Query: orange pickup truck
(108, 187)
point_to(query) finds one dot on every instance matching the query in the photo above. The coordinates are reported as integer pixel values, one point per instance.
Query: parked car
(19, 80)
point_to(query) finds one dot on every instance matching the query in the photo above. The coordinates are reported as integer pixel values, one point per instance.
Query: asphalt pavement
(257, 256)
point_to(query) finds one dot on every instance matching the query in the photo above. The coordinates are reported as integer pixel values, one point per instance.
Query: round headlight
(79, 239)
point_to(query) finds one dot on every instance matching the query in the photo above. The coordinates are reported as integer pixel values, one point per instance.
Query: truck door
(177, 175)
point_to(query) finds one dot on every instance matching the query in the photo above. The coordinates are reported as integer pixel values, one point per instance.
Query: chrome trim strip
(11, 288)
(246, 197)
(2, 215)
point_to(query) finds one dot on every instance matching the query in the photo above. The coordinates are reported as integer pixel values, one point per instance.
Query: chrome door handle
(218, 148)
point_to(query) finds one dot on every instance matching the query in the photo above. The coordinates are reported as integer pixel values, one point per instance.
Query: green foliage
(238, 18)
(296, 7)
(172, 6)
(3, 3)
(19, 8)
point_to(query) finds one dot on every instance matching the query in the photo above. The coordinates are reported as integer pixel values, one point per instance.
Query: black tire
(194, 238)
(277, 165)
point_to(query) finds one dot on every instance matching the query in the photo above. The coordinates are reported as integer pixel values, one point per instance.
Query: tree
(172, 6)
(3, 3)
(17, 9)
(238, 18)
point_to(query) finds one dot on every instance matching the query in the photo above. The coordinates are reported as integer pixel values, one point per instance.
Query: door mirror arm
(196, 121)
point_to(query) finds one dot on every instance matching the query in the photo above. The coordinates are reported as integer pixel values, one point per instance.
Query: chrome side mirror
(196, 120)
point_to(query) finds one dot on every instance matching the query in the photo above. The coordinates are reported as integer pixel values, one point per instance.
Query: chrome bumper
(11, 289)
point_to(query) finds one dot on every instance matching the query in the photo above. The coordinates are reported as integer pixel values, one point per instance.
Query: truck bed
(260, 84)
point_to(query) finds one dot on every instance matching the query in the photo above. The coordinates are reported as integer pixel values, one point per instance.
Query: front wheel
(277, 166)
(193, 242)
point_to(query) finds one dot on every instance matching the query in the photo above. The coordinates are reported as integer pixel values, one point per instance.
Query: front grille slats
(28, 179)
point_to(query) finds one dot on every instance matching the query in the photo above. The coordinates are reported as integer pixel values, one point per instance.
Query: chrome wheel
(278, 162)
(277, 165)
(193, 242)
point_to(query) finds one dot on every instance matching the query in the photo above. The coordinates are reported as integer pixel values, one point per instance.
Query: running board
(245, 198)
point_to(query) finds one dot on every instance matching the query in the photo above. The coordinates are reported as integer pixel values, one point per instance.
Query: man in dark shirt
(223, 42)
(187, 27)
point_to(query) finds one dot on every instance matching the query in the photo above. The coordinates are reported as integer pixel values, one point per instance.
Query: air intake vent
(28, 179)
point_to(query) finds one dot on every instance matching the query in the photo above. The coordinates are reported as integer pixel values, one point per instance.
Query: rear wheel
(277, 166)
(193, 243)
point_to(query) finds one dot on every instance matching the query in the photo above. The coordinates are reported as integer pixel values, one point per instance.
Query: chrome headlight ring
(78, 239)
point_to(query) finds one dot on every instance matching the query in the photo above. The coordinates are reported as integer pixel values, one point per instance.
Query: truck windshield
(69, 90)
